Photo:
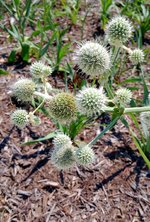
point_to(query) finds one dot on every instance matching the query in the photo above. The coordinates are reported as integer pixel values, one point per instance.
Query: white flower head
(136, 56)
(19, 118)
(91, 101)
(61, 140)
(84, 155)
(23, 89)
(39, 70)
(123, 96)
(63, 157)
(93, 59)
(118, 31)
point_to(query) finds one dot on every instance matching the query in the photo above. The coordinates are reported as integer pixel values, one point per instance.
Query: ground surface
(116, 188)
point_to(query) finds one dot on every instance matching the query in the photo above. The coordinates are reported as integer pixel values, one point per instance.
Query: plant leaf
(47, 137)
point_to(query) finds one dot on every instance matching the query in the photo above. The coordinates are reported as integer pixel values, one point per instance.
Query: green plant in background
(32, 20)
(105, 6)
(139, 12)
(71, 9)
(19, 16)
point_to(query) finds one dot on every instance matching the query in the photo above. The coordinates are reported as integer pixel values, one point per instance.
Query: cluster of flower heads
(95, 60)
(65, 155)
(24, 88)
(21, 118)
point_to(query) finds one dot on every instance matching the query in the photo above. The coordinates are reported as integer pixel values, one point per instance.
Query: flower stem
(130, 110)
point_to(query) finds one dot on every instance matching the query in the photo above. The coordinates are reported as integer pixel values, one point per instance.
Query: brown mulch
(115, 188)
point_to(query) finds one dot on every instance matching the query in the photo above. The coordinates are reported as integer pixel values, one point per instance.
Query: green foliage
(139, 13)
(104, 11)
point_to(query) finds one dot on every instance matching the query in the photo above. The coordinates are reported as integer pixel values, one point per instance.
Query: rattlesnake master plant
(63, 107)
(72, 113)
(93, 59)
(23, 89)
(118, 31)
(136, 56)
(39, 70)
(91, 101)
(123, 96)
(19, 118)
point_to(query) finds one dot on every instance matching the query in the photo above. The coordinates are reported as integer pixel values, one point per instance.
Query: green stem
(109, 91)
(133, 117)
(130, 110)
(104, 131)
(140, 150)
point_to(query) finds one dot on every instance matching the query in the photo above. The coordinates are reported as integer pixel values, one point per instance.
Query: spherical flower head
(123, 96)
(118, 31)
(23, 89)
(93, 59)
(63, 107)
(61, 140)
(84, 155)
(20, 118)
(145, 121)
(39, 70)
(91, 101)
(136, 56)
(63, 158)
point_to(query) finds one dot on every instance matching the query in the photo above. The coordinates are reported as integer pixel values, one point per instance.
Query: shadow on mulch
(37, 166)
(6, 139)
(127, 154)
(110, 178)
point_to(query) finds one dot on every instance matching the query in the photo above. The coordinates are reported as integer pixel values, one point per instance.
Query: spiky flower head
(20, 118)
(123, 96)
(39, 70)
(136, 56)
(93, 59)
(118, 31)
(63, 107)
(145, 121)
(84, 155)
(63, 157)
(91, 101)
(23, 89)
(61, 140)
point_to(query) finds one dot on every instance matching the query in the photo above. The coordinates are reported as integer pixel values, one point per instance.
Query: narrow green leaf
(47, 137)
(12, 56)
(25, 53)
(3, 72)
